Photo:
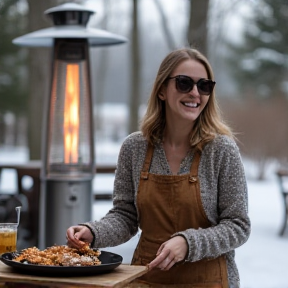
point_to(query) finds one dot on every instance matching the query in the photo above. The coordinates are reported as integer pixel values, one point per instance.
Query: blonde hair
(207, 125)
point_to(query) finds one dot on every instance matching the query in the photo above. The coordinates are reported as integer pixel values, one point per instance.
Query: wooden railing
(33, 169)
(283, 177)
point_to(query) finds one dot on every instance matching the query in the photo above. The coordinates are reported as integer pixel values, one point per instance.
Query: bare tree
(103, 62)
(39, 73)
(135, 71)
(197, 31)
(168, 35)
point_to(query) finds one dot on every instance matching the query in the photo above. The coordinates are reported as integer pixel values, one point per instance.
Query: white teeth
(189, 104)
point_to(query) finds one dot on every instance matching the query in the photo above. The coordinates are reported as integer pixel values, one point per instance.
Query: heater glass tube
(70, 141)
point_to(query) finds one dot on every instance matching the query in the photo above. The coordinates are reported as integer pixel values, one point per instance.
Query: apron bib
(168, 204)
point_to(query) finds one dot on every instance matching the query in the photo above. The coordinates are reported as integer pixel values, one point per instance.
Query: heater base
(63, 204)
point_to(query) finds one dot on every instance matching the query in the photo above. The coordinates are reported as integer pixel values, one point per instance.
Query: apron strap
(147, 162)
(196, 160)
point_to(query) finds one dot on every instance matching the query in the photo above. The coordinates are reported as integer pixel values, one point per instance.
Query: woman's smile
(191, 104)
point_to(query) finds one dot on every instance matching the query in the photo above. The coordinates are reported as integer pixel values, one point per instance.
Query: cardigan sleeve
(120, 223)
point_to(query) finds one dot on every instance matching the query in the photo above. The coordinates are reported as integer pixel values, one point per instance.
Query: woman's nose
(194, 91)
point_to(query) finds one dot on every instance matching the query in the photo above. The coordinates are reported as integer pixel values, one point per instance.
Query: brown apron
(168, 204)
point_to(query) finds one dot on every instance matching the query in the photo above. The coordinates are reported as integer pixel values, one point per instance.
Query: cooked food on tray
(60, 255)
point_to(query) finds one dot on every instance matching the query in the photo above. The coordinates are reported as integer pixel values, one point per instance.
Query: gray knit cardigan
(223, 192)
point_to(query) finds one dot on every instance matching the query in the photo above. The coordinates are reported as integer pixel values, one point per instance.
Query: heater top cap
(70, 21)
(69, 14)
(68, 7)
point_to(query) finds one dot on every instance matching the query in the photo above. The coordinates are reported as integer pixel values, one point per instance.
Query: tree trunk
(39, 73)
(197, 32)
(135, 72)
(164, 23)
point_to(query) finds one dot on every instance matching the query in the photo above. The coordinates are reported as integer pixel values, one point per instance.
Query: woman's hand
(170, 252)
(77, 236)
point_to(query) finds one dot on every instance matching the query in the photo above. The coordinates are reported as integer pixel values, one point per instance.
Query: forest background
(246, 42)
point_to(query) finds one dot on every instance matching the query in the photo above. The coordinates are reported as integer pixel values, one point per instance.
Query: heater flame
(71, 114)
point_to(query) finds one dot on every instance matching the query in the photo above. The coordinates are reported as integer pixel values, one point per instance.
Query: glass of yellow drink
(8, 234)
(8, 237)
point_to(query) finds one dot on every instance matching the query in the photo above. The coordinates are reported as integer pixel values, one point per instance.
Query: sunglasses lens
(205, 87)
(184, 84)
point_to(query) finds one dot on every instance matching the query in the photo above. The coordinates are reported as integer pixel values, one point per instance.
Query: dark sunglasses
(185, 84)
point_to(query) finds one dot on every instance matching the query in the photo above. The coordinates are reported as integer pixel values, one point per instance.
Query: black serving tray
(109, 261)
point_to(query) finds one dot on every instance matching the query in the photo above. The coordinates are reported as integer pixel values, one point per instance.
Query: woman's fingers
(169, 253)
(74, 243)
(73, 236)
(167, 263)
(163, 261)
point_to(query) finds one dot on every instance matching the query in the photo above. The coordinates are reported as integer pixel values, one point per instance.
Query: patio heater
(68, 156)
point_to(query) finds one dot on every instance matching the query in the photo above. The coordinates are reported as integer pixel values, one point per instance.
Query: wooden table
(119, 277)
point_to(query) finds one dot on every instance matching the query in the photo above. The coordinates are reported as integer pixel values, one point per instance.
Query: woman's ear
(161, 94)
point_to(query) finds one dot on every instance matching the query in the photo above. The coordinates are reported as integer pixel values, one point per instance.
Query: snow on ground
(262, 261)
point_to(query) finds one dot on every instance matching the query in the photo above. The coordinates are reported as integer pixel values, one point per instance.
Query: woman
(181, 181)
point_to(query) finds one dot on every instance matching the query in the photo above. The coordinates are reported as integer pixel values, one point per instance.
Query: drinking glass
(8, 234)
